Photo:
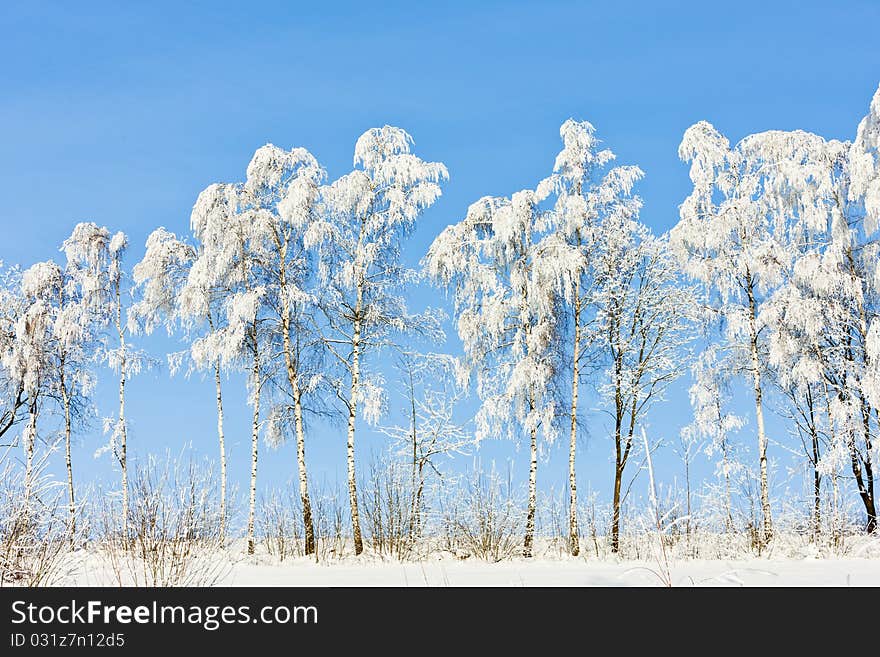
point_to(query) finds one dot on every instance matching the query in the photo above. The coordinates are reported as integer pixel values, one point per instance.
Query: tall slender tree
(643, 317)
(171, 294)
(587, 192)
(366, 214)
(29, 362)
(280, 197)
(240, 342)
(71, 338)
(13, 399)
(726, 241)
(505, 263)
(95, 261)
(863, 193)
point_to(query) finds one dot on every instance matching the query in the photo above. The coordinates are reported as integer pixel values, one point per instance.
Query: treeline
(769, 282)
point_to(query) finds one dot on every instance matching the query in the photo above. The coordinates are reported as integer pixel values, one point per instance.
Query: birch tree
(240, 342)
(29, 363)
(863, 194)
(95, 261)
(13, 400)
(820, 315)
(252, 249)
(586, 193)
(781, 227)
(726, 242)
(173, 296)
(825, 310)
(642, 320)
(505, 266)
(366, 214)
(280, 198)
(70, 340)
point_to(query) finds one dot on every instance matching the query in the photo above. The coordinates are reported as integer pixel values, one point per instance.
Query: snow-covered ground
(845, 572)
(538, 572)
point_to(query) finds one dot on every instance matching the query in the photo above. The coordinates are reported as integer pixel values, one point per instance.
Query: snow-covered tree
(171, 296)
(69, 347)
(29, 364)
(819, 316)
(431, 389)
(863, 195)
(781, 227)
(713, 422)
(252, 255)
(95, 265)
(505, 266)
(587, 191)
(824, 312)
(642, 321)
(365, 216)
(12, 305)
(727, 241)
(803, 325)
(281, 197)
(240, 341)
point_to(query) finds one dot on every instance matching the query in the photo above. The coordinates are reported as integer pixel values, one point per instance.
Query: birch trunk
(573, 541)
(222, 442)
(30, 439)
(533, 434)
(419, 493)
(415, 489)
(308, 523)
(615, 510)
(293, 381)
(71, 501)
(122, 455)
(817, 478)
(352, 416)
(833, 438)
(255, 435)
(533, 489)
(687, 510)
(868, 498)
(759, 415)
(817, 488)
(620, 454)
(65, 401)
(864, 484)
(871, 508)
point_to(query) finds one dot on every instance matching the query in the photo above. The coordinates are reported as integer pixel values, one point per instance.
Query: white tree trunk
(573, 541)
(222, 441)
(293, 381)
(71, 501)
(30, 439)
(255, 436)
(308, 523)
(414, 520)
(352, 416)
(759, 415)
(533, 494)
(123, 447)
(65, 400)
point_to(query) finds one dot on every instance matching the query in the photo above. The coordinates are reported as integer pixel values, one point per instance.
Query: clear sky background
(120, 113)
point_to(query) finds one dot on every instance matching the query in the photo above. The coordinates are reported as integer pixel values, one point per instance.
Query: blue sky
(120, 113)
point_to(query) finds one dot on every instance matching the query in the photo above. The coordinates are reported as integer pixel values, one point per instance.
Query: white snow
(847, 571)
